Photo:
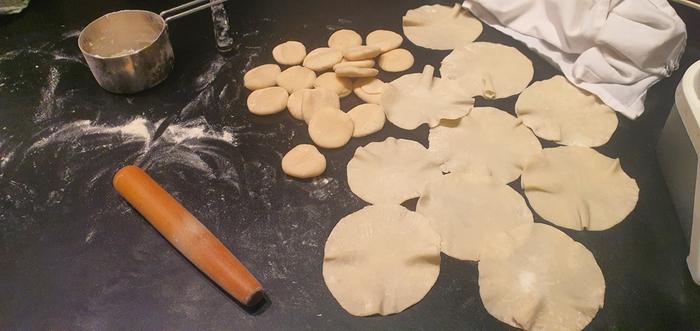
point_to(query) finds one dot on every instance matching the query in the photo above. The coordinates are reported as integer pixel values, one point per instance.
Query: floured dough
(330, 128)
(367, 118)
(490, 70)
(414, 99)
(384, 39)
(391, 171)
(316, 99)
(357, 53)
(557, 110)
(396, 60)
(487, 142)
(267, 101)
(289, 53)
(342, 39)
(261, 76)
(294, 103)
(340, 85)
(440, 27)
(535, 277)
(322, 59)
(466, 210)
(304, 161)
(296, 78)
(355, 72)
(356, 64)
(579, 188)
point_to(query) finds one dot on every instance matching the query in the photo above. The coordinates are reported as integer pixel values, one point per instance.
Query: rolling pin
(187, 234)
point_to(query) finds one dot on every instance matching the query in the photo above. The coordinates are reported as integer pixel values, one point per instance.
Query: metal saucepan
(129, 51)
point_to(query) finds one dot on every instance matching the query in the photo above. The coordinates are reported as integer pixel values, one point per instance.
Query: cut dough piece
(367, 118)
(467, 210)
(440, 27)
(294, 103)
(384, 39)
(490, 70)
(267, 101)
(330, 128)
(321, 59)
(289, 53)
(356, 64)
(316, 99)
(391, 171)
(579, 188)
(369, 89)
(304, 161)
(381, 260)
(357, 53)
(488, 142)
(557, 110)
(261, 77)
(396, 60)
(340, 85)
(343, 39)
(414, 99)
(296, 78)
(535, 277)
(355, 72)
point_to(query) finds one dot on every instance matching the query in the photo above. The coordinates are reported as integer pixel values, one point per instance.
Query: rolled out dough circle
(367, 118)
(440, 27)
(304, 161)
(330, 128)
(267, 101)
(396, 60)
(261, 77)
(296, 78)
(289, 53)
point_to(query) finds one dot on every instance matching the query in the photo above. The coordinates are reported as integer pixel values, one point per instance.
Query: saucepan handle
(187, 8)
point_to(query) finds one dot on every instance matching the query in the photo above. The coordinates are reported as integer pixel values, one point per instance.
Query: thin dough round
(304, 161)
(355, 72)
(343, 39)
(535, 277)
(488, 142)
(391, 171)
(396, 60)
(557, 110)
(267, 101)
(294, 103)
(356, 64)
(490, 70)
(466, 210)
(384, 39)
(330, 128)
(367, 118)
(369, 89)
(289, 53)
(296, 78)
(322, 59)
(579, 188)
(340, 85)
(358, 53)
(261, 77)
(440, 27)
(316, 99)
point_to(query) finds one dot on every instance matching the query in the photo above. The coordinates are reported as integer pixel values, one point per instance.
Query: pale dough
(342, 39)
(440, 27)
(391, 171)
(367, 118)
(557, 110)
(369, 89)
(414, 99)
(296, 78)
(384, 39)
(267, 101)
(304, 161)
(579, 188)
(381, 260)
(357, 53)
(294, 103)
(289, 53)
(487, 142)
(313, 100)
(396, 60)
(330, 128)
(356, 64)
(322, 59)
(355, 72)
(340, 85)
(535, 277)
(261, 76)
(490, 70)
(466, 210)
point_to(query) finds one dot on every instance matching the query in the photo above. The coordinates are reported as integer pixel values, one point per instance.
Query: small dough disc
(356, 64)
(488, 142)
(490, 70)
(381, 260)
(340, 85)
(466, 210)
(440, 27)
(557, 110)
(316, 99)
(296, 78)
(396, 60)
(367, 118)
(267, 101)
(535, 277)
(304, 161)
(579, 188)
(330, 128)
(357, 53)
(355, 72)
(369, 89)
(261, 77)
(342, 39)
(294, 103)
(322, 59)
(391, 171)
(289, 53)
(384, 39)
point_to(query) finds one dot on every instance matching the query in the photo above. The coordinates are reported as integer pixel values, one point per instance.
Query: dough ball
(557, 110)
(296, 78)
(381, 260)
(357, 53)
(467, 210)
(356, 64)
(355, 72)
(384, 39)
(490, 70)
(289, 53)
(391, 171)
(396, 60)
(322, 59)
(267, 101)
(535, 277)
(440, 27)
(369, 89)
(367, 118)
(330, 128)
(316, 99)
(261, 77)
(487, 142)
(579, 188)
(340, 85)
(343, 39)
(294, 103)
(304, 161)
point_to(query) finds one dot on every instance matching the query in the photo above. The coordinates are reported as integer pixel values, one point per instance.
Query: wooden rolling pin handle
(187, 234)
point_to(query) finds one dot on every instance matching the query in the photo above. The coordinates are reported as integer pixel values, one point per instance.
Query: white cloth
(615, 49)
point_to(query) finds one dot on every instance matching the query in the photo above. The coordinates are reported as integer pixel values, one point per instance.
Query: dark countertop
(73, 255)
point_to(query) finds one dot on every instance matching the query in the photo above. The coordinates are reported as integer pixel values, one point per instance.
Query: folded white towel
(615, 49)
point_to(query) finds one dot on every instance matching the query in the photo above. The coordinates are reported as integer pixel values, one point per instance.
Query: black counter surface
(75, 256)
